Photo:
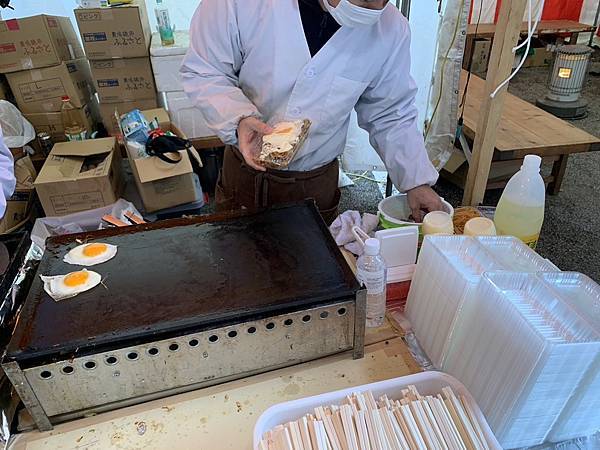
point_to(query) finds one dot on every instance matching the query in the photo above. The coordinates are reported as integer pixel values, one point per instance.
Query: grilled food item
(61, 287)
(90, 254)
(280, 147)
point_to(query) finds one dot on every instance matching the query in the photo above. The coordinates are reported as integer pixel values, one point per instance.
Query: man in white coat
(257, 62)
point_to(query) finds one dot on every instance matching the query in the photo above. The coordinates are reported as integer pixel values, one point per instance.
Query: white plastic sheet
(17, 130)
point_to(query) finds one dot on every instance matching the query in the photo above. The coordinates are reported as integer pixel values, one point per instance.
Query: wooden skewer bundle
(413, 422)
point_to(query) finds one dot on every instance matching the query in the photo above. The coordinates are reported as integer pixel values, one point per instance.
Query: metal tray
(173, 276)
(185, 304)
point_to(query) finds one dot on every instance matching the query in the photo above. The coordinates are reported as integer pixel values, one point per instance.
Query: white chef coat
(250, 58)
(7, 174)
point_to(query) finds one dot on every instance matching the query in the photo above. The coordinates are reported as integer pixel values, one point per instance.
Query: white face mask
(350, 15)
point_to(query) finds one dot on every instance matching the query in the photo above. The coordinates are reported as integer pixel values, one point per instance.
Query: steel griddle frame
(306, 276)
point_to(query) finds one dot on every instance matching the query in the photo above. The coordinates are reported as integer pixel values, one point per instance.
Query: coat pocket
(342, 98)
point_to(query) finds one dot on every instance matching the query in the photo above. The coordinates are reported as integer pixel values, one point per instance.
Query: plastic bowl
(394, 212)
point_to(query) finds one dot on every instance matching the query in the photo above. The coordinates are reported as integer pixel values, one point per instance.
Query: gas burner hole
(68, 370)
(193, 343)
(111, 360)
(214, 338)
(132, 356)
(341, 311)
(153, 351)
(251, 330)
(306, 319)
(288, 322)
(324, 315)
(90, 365)
(45, 375)
(232, 334)
(270, 326)
(174, 347)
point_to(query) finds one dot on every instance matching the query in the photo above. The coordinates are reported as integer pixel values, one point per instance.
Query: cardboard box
(18, 207)
(41, 90)
(109, 112)
(19, 204)
(162, 185)
(122, 32)
(540, 54)
(36, 42)
(119, 80)
(52, 123)
(481, 55)
(79, 176)
(5, 92)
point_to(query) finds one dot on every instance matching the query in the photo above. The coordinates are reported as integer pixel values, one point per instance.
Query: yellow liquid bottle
(520, 211)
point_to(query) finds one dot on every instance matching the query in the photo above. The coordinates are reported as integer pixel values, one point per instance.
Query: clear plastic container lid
(514, 255)
(544, 310)
(464, 254)
(580, 292)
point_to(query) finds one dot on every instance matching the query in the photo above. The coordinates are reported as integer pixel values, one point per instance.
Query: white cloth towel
(341, 229)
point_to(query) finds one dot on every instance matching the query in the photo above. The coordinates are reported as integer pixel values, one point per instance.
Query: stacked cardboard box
(116, 42)
(43, 61)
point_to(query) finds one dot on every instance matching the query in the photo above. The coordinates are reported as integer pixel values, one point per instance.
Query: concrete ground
(571, 232)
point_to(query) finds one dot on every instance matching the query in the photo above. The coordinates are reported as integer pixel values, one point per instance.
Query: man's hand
(422, 200)
(250, 133)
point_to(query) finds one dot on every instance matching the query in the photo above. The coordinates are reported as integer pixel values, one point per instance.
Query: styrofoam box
(427, 383)
(185, 116)
(166, 61)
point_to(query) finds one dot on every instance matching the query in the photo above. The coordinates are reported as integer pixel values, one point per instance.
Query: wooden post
(502, 57)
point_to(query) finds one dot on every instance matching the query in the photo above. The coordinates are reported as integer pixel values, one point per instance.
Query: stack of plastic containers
(522, 356)
(448, 272)
(443, 287)
(581, 416)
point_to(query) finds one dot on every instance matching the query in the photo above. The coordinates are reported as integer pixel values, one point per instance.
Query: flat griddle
(177, 276)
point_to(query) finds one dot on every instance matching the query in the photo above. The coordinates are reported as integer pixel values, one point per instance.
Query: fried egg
(61, 287)
(90, 254)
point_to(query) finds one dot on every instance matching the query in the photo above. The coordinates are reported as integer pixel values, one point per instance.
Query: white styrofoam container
(427, 383)
(166, 61)
(188, 118)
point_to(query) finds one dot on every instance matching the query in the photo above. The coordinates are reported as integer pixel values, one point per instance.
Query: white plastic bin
(427, 383)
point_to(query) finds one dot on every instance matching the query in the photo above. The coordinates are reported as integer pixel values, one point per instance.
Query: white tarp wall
(424, 24)
(181, 15)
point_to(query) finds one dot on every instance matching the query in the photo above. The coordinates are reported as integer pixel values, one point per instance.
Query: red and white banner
(577, 10)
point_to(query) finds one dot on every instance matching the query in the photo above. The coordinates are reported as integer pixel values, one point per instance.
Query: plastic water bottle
(165, 28)
(71, 119)
(372, 274)
(520, 212)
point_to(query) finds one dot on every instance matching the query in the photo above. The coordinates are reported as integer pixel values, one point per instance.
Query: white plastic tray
(427, 383)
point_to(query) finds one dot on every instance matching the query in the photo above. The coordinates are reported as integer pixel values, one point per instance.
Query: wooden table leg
(558, 172)
(573, 39)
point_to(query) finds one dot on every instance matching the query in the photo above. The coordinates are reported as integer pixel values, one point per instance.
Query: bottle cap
(65, 98)
(372, 247)
(532, 162)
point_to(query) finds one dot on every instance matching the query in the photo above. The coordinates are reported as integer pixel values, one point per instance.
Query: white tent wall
(181, 10)
(424, 24)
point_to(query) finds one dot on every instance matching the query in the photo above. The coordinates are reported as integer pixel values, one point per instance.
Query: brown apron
(240, 186)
